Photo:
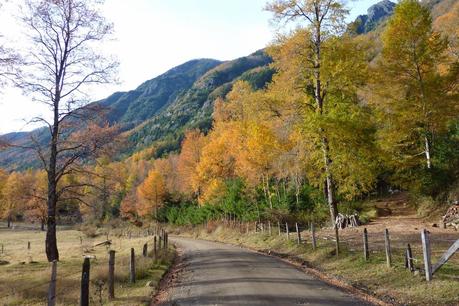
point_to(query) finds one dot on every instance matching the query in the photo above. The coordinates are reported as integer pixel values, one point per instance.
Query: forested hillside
(315, 124)
(161, 108)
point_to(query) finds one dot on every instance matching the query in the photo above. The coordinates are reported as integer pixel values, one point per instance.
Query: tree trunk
(51, 239)
(42, 225)
(427, 150)
(330, 186)
(8, 221)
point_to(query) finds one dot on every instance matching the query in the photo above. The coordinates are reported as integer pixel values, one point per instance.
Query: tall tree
(60, 67)
(188, 160)
(13, 198)
(415, 88)
(36, 195)
(325, 18)
(151, 193)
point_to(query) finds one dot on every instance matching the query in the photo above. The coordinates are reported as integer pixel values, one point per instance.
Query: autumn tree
(415, 99)
(188, 159)
(36, 195)
(448, 24)
(151, 194)
(12, 199)
(3, 180)
(320, 72)
(59, 69)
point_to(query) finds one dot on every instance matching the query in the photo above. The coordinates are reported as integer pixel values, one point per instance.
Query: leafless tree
(58, 71)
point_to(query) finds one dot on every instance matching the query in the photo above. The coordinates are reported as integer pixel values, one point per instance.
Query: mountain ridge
(179, 98)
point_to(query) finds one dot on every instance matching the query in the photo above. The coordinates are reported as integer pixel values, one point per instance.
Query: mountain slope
(162, 108)
(376, 14)
(193, 109)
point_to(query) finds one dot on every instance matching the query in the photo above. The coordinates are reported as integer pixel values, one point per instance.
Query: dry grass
(395, 284)
(24, 280)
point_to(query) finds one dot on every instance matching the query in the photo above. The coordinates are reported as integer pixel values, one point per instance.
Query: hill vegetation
(284, 133)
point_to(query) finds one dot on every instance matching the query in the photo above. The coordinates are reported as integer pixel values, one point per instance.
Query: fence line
(53, 282)
(370, 242)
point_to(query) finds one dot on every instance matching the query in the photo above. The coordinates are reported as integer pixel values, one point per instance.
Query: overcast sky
(153, 36)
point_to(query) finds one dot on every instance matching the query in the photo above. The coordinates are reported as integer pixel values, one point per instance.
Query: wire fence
(379, 246)
(138, 253)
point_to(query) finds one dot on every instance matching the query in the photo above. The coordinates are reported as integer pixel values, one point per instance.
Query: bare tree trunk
(51, 240)
(330, 186)
(427, 151)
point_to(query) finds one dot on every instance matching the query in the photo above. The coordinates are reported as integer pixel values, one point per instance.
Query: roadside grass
(394, 285)
(25, 278)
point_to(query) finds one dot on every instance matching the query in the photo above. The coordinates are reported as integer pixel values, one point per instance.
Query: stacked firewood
(343, 221)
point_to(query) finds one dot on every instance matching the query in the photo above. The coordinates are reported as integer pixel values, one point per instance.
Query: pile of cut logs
(343, 221)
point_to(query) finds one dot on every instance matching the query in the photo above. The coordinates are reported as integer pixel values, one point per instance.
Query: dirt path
(219, 274)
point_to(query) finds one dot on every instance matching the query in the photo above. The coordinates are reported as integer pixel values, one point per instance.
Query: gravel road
(219, 274)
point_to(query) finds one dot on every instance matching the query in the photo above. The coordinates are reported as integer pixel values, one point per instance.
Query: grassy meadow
(25, 274)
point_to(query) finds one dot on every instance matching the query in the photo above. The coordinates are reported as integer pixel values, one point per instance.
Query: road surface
(219, 274)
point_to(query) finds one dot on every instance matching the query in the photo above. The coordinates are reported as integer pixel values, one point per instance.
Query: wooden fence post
(28, 245)
(52, 285)
(426, 253)
(132, 267)
(155, 249)
(145, 250)
(336, 240)
(159, 243)
(313, 236)
(269, 228)
(366, 253)
(409, 254)
(387, 246)
(298, 234)
(278, 227)
(84, 295)
(111, 275)
(286, 231)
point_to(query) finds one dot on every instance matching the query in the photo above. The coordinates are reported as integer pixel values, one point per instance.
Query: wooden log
(366, 253)
(52, 285)
(132, 267)
(298, 234)
(111, 275)
(106, 242)
(313, 236)
(426, 254)
(446, 256)
(84, 294)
